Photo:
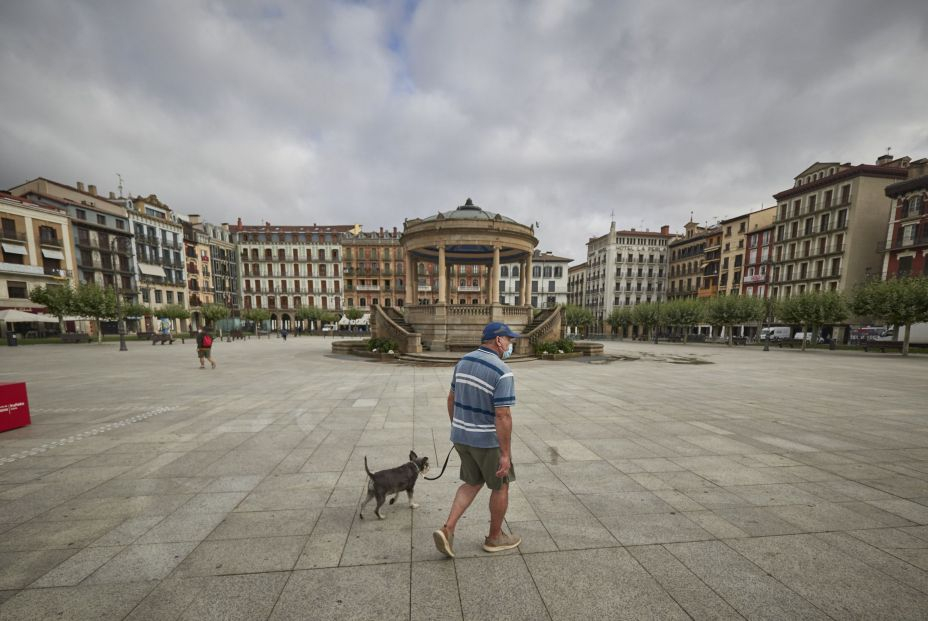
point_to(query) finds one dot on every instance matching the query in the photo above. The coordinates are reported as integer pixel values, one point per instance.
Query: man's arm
(450, 405)
(504, 435)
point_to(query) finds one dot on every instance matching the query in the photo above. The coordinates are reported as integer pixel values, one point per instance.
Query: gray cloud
(557, 112)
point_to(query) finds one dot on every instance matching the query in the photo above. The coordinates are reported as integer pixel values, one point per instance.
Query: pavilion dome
(469, 211)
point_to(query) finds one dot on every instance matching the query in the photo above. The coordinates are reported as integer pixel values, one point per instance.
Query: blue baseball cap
(492, 330)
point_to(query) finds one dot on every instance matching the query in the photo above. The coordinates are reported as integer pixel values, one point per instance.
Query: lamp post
(657, 318)
(767, 304)
(121, 320)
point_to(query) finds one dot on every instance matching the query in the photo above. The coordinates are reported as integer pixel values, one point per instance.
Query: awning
(13, 248)
(49, 253)
(152, 270)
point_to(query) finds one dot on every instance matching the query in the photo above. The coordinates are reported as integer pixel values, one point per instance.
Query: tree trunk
(730, 335)
(686, 334)
(803, 336)
(905, 340)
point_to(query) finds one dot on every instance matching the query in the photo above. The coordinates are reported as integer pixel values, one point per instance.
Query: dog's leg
(412, 505)
(395, 496)
(370, 494)
(381, 498)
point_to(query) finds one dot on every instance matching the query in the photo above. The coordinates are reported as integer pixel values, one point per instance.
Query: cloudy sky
(557, 111)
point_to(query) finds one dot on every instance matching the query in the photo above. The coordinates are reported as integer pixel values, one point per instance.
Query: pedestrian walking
(284, 333)
(205, 347)
(482, 393)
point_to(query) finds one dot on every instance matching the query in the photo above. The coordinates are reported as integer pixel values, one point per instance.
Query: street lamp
(768, 304)
(121, 320)
(657, 318)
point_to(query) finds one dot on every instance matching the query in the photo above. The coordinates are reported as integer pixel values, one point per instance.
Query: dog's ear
(413, 456)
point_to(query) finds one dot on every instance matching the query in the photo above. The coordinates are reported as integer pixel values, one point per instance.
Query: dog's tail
(369, 473)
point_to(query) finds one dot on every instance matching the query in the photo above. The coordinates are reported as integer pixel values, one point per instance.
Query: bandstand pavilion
(467, 235)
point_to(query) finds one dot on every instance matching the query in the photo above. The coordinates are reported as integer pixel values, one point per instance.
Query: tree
(647, 315)
(353, 314)
(812, 309)
(135, 310)
(900, 301)
(92, 300)
(256, 315)
(577, 316)
(214, 312)
(683, 313)
(57, 299)
(310, 314)
(620, 318)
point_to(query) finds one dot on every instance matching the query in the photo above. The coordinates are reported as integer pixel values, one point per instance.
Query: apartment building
(548, 285)
(686, 264)
(734, 245)
(757, 260)
(99, 230)
(625, 268)
(198, 264)
(287, 267)
(711, 264)
(224, 256)
(905, 248)
(35, 250)
(157, 254)
(830, 224)
(374, 268)
(576, 279)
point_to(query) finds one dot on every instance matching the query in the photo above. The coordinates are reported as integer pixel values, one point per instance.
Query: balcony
(468, 289)
(368, 287)
(755, 278)
(903, 242)
(26, 270)
(426, 288)
(12, 236)
(54, 242)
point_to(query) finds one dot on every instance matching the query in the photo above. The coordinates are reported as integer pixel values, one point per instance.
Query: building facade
(829, 225)
(734, 246)
(687, 255)
(374, 268)
(287, 267)
(225, 269)
(99, 229)
(35, 250)
(158, 256)
(549, 281)
(198, 264)
(576, 280)
(905, 249)
(711, 264)
(758, 257)
(626, 268)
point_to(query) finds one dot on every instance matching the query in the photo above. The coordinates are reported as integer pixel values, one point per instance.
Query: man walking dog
(482, 392)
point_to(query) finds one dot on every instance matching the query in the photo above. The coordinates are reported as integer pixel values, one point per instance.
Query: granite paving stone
(718, 495)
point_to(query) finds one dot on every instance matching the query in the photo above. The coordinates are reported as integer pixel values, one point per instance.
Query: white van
(808, 336)
(774, 333)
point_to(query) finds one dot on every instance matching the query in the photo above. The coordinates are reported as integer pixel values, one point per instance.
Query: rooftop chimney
(92, 189)
(80, 185)
(112, 196)
(665, 230)
(239, 222)
(194, 218)
(883, 160)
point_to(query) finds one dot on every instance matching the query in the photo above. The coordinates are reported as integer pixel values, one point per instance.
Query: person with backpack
(205, 347)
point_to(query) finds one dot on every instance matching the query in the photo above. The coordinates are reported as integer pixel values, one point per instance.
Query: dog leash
(445, 465)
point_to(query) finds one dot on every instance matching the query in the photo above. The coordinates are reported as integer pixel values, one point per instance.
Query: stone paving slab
(684, 482)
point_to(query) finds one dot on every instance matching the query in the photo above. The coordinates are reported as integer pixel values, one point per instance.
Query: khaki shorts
(479, 465)
(204, 352)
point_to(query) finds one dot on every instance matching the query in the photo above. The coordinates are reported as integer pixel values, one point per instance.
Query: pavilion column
(442, 276)
(521, 281)
(494, 277)
(527, 300)
(412, 283)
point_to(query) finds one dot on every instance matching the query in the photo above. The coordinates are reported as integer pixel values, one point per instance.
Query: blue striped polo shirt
(481, 383)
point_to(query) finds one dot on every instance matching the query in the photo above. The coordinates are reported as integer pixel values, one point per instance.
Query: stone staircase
(399, 318)
(539, 319)
(448, 359)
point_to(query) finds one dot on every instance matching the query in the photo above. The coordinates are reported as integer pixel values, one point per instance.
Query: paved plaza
(683, 482)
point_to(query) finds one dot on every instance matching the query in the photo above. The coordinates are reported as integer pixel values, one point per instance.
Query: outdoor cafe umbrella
(18, 316)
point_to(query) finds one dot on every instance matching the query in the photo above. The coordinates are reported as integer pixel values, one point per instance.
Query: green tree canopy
(620, 318)
(172, 311)
(57, 299)
(900, 301)
(214, 312)
(257, 315)
(647, 315)
(353, 314)
(812, 309)
(93, 301)
(683, 313)
(577, 316)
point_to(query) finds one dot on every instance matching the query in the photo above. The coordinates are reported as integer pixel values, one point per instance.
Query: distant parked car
(808, 336)
(774, 333)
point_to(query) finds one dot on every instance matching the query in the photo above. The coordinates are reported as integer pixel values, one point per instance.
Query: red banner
(14, 406)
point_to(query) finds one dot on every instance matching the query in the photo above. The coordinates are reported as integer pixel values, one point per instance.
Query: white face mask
(508, 352)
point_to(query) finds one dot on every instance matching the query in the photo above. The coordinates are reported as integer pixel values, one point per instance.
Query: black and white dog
(393, 481)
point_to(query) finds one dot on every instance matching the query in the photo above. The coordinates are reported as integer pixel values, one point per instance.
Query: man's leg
(462, 499)
(499, 502)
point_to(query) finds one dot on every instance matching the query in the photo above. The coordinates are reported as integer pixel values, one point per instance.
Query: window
(502, 285)
(504, 272)
(842, 219)
(81, 214)
(550, 286)
(17, 289)
(536, 271)
(121, 225)
(812, 203)
(558, 272)
(101, 219)
(845, 194)
(158, 297)
(170, 295)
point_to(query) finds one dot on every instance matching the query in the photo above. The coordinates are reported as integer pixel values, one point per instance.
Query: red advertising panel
(14, 406)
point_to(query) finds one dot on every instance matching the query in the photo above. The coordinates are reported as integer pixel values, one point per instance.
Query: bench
(883, 346)
(75, 337)
(162, 338)
(238, 335)
(143, 336)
